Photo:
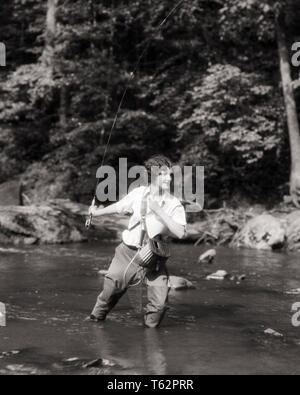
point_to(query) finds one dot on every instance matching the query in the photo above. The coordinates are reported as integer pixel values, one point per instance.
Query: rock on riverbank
(254, 228)
(55, 222)
(270, 232)
(263, 232)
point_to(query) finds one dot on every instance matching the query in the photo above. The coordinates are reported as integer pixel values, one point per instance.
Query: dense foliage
(207, 91)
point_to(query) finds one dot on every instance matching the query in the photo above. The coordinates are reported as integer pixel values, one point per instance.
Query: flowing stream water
(217, 328)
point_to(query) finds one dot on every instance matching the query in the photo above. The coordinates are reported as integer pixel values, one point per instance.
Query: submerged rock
(74, 359)
(241, 277)
(219, 275)
(20, 369)
(273, 333)
(207, 257)
(295, 291)
(75, 363)
(10, 353)
(93, 364)
(264, 232)
(179, 283)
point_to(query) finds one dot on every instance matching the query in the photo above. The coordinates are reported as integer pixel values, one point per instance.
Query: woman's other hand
(154, 206)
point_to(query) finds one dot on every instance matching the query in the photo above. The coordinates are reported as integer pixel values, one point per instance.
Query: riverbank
(253, 227)
(61, 221)
(57, 221)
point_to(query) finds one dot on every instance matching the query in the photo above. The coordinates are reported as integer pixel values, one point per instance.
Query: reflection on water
(216, 328)
(156, 360)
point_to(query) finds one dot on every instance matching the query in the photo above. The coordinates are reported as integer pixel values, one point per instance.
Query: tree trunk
(63, 107)
(48, 59)
(291, 112)
(93, 22)
(48, 54)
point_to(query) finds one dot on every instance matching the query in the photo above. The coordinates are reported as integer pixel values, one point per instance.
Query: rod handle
(89, 221)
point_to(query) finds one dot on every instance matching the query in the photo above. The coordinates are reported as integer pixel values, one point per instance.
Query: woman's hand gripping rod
(88, 222)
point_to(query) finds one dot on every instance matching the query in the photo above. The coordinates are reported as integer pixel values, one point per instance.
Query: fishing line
(132, 76)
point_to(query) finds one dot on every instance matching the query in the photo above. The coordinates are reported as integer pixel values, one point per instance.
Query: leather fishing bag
(154, 251)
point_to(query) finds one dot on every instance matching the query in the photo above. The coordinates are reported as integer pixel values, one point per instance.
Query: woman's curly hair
(157, 162)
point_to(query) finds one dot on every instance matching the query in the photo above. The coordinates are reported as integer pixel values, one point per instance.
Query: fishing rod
(132, 76)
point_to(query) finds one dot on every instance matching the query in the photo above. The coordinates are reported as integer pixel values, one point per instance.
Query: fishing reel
(89, 221)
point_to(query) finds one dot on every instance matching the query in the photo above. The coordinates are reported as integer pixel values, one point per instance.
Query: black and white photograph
(149, 190)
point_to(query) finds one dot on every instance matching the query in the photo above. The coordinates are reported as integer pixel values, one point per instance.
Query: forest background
(215, 88)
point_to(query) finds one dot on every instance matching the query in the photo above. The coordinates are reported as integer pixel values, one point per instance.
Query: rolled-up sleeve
(126, 204)
(178, 215)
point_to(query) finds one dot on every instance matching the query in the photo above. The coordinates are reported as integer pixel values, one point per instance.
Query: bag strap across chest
(143, 213)
(142, 221)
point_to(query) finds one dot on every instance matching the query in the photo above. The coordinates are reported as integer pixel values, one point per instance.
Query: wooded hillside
(208, 91)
